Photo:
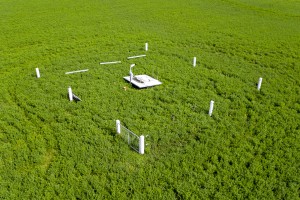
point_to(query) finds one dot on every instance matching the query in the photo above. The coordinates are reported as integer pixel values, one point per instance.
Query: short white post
(146, 46)
(259, 83)
(118, 126)
(70, 93)
(211, 107)
(37, 72)
(194, 61)
(142, 144)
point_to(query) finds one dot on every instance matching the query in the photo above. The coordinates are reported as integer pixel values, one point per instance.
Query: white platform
(143, 81)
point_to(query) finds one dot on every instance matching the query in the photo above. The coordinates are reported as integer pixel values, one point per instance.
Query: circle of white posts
(118, 124)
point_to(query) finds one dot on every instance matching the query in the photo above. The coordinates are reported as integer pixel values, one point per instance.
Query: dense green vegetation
(53, 148)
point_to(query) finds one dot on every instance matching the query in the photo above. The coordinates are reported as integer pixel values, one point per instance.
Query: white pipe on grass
(112, 62)
(139, 56)
(72, 72)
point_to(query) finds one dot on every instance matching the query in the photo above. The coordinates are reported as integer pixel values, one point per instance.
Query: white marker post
(70, 93)
(37, 72)
(259, 83)
(118, 126)
(211, 107)
(146, 46)
(194, 61)
(142, 144)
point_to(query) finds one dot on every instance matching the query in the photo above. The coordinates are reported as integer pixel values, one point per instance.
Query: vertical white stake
(211, 107)
(146, 46)
(70, 93)
(194, 61)
(118, 125)
(128, 137)
(37, 72)
(130, 72)
(259, 83)
(142, 145)
(131, 76)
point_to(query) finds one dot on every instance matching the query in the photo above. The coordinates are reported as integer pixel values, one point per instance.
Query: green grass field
(51, 148)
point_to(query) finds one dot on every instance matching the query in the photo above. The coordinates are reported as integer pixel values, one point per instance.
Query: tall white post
(131, 76)
(130, 72)
(194, 61)
(37, 72)
(146, 46)
(142, 145)
(118, 126)
(211, 107)
(70, 93)
(259, 83)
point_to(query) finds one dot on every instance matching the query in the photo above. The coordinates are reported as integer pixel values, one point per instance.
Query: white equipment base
(143, 81)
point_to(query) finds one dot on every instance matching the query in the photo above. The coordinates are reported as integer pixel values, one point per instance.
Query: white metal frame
(132, 138)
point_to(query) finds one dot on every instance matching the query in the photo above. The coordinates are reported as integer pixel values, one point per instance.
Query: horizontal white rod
(107, 63)
(84, 70)
(136, 56)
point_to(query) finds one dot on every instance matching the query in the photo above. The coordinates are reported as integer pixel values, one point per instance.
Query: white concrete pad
(143, 81)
